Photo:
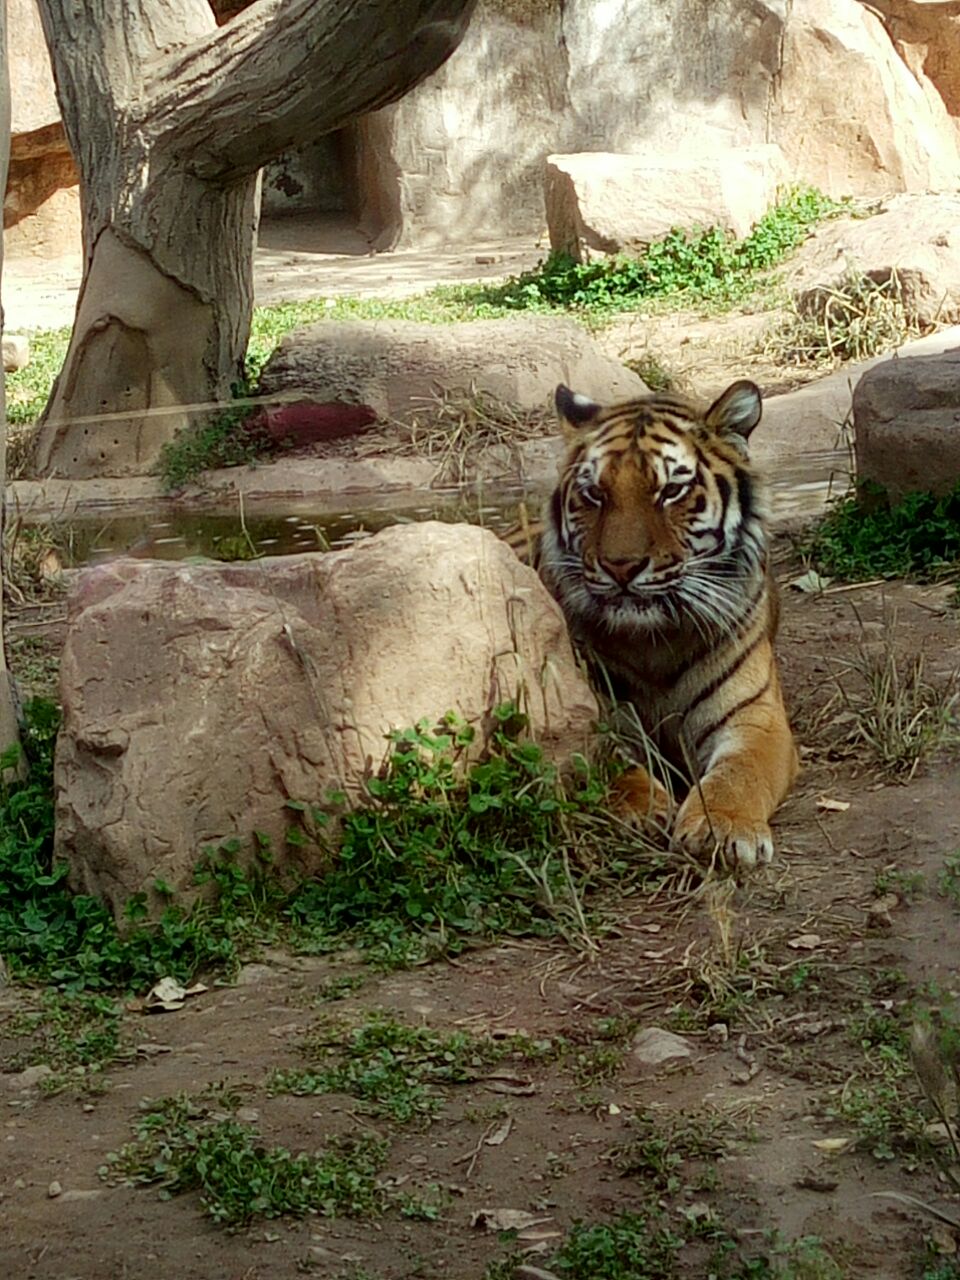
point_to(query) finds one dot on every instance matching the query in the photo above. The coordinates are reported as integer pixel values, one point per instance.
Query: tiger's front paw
(642, 801)
(740, 839)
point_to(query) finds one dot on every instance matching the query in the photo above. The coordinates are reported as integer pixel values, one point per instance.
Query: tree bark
(8, 719)
(170, 119)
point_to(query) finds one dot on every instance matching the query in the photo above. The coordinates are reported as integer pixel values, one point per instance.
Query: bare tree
(8, 719)
(170, 119)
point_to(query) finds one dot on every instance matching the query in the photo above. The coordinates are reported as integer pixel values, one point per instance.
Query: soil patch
(789, 990)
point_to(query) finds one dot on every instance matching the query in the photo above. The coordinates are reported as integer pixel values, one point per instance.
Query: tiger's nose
(623, 572)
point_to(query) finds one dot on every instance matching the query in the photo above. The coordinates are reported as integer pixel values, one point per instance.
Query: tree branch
(286, 71)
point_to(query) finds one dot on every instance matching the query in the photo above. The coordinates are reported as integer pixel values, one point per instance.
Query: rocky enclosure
(199, 699)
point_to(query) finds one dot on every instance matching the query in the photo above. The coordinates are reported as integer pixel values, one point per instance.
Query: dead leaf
(504, 1082)
(500, 1135)
(810, 582)
(831, 805)
(507, 1220)
(833, 1146)
(168, 995)
(805, 942)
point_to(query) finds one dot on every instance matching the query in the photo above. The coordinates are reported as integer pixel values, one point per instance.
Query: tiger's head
(657, 523)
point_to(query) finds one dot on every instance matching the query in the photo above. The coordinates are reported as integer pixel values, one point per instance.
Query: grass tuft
(854, 320)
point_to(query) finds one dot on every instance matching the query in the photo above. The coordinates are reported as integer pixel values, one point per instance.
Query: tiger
(654, 544)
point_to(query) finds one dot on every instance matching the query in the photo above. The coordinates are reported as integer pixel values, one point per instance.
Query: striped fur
(654, 544)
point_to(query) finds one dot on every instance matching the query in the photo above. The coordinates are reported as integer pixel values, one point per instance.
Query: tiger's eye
(592, 494)
(671, 491)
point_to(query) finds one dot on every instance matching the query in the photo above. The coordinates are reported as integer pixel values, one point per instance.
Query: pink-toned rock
(614, 203)
(906, 416)
(200, 699)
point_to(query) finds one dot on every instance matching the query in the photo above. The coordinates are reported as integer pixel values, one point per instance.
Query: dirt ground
(845, 927)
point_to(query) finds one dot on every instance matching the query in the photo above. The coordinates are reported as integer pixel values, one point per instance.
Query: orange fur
(655, 547)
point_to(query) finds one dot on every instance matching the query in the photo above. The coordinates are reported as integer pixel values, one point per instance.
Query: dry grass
(886, 705)
(466, 431)
(857, 319)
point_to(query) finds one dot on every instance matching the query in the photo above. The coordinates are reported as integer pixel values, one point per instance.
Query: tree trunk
(170, 120)
(8, 720)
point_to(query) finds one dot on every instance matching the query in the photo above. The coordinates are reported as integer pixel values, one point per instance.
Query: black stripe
(556, 511)
(725, 489)
(708, 733)
(711, 688)
(745, 494)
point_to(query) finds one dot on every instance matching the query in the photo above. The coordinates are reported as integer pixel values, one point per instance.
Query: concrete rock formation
(199, 699)
(616, 203)
(917, 236)
(906, 416)
(396, 366)
(860, 98)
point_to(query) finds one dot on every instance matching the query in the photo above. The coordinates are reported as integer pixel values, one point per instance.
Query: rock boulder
(395, 367)
(199, 699)
(614, 203)
(916, 236)
(906, 416)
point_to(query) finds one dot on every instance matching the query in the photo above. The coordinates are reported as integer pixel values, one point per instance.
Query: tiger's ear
(737, 411)
(574, 409)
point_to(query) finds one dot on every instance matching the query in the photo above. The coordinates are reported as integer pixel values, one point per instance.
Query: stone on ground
(16, 352)
(654, 1047)
(397, 367)
(613, 203)
(199, 699)
(916, 236)
(906, 416)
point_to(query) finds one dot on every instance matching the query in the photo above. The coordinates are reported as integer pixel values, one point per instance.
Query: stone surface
(396, 366)
(614, 203)
(200, 698)
(918, 236)
(906, 417)
(16, 352)
(653, 1047)
(860, 98)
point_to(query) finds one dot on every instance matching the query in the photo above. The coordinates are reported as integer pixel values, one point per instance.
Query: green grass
(184, 1145)
(394, 1069)
(864, 536)
(29, 388)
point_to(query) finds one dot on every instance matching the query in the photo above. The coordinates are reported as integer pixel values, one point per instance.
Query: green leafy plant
(182, 1145)
(50, 934)
(393, 1068)
(864, 536)
(445, 855)
(709, 265)
(218, 440)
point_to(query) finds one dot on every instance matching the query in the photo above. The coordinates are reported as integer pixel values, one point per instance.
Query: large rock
(199, 699)
(916, 236)
(599, 200)
(906, 415)
(396, 366)
(857, 101)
